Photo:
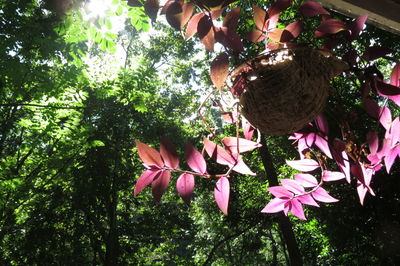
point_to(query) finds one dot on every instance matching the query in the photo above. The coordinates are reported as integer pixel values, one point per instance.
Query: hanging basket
(287, 88)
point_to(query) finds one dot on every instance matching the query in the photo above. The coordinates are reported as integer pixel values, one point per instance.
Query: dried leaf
(221, 194)
(219, 70)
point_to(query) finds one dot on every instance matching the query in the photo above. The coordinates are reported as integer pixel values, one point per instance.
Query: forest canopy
(147, 133)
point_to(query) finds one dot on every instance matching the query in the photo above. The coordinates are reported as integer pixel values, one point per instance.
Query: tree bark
(283, 221)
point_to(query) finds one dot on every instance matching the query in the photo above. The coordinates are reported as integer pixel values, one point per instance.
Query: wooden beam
(384, 14)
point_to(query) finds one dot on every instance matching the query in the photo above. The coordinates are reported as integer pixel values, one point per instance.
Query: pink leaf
(260, 18)
(306, 180)
(275, 205)
(194, 159)
(386, 118)
(145, 179)
(328, 176)
(373, 142)
(357, 25)
(242, 168)
(219, 70)
(244, 144)
(291, 31)
(218, 153)
(361, 191)
(305, 165)
(341, 157)
(307, 199)
(321, 195)
(275, 34)
(330, 26)
(277, 7)
(297, 209)
(310, 9)
(293, 186)
(386, 89)
(280, 192)
(395, 75)
(248, 130)
(168, 153)
(322, 124)
(149, 156)
(229, 117)
(391, 157)
(323, 145)
(160, 185)
(364, 177)
(375, 52)
(231, 19)
(221, 194)
(191, 28)
(185, 187)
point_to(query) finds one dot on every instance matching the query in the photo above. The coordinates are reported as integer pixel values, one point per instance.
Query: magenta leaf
(185, 187)
(310, 9)
(341, 157)
(244, 145)
(242, 168)
(218, 153)
(364, 177)
(297, 209)
(275, 205)
(386, 89)
(328, 176)
(293, 186)
(386, 118)
(373, 142)
(305, 165)
(391, 157)
(149, 156)
(307, 199)
(306, 180)
(356, 26)
(195, 159)
(361, 191)
(322, 124)
(145, 179)
(375, 52)
(168, 153)
(280, 192)
(395, 75)
(219, 70)
(330, 26)
(160, 185)
(323, 145)
(321, 195)
(221, 194)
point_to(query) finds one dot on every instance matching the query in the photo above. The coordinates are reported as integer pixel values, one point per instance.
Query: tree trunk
(283, 221)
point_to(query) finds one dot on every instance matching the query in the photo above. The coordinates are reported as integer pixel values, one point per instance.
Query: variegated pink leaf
(328, 176)
(275, 205)
(221, 194)
(195, 159)
(145, 179)
(297, 209)
(293, 186)
(185, 187)
(321, 195)
(160, 185)
(306, 180)
(149, 156)
(305, 165)
(280, 192)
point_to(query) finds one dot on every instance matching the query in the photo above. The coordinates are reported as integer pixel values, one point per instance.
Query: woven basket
(286, 88)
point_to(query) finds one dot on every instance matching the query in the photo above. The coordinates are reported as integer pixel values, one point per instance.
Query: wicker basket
(286, 88)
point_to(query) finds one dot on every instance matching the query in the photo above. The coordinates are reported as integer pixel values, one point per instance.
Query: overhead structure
(384, 14)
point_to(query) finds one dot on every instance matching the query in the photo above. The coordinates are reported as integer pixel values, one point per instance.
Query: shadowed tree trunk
(283, 221)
